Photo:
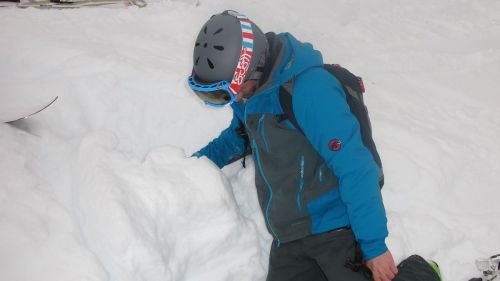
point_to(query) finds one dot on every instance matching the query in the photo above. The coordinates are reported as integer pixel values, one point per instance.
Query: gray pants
(319, 257)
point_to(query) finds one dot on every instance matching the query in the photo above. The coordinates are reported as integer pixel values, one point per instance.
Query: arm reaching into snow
(228, 147)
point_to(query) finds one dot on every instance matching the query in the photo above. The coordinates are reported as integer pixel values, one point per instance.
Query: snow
(100, 187)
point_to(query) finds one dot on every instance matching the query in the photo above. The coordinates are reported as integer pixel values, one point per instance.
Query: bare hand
(383, 267)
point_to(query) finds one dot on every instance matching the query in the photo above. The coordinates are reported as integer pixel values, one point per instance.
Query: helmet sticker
(242, 67)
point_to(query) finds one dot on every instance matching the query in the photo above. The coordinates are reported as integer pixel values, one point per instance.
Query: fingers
(383, 267)
(389, 275)
(386, 273)
(394, 268)
(383, 276)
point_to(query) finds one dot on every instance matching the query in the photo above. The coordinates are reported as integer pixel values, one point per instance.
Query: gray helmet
(218, 47)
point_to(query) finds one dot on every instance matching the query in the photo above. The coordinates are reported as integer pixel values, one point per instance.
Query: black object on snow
(416, 268)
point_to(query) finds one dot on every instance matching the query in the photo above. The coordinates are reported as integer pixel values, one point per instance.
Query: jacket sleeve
(228, 147)
(325, 118)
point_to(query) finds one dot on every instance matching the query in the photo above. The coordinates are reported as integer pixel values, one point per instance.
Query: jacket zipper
(261, 171)
(301, 184)
(260, 128)
(321, 174)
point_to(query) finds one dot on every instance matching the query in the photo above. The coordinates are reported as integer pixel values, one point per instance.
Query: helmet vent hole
(205, 45)
(197, 60)
(210, 63)
(197, 44)
(205, 30)
(218, 31)
(220, 48)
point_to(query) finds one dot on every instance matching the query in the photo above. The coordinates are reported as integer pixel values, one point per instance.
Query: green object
(435, 266)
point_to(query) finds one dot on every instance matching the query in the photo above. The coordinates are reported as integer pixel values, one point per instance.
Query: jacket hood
(288, 58)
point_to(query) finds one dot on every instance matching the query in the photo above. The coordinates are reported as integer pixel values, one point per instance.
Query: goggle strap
(245, 54)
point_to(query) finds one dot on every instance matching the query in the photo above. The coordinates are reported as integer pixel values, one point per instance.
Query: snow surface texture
(98, 187)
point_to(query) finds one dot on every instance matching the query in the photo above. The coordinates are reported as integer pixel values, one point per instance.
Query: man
(318, 184)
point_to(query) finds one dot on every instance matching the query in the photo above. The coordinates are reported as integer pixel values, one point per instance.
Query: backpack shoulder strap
(285, 98)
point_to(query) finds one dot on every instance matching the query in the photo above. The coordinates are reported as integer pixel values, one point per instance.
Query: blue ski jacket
(304, 185)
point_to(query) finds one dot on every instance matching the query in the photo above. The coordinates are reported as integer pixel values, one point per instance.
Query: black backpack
(354, 89)
(416, 268)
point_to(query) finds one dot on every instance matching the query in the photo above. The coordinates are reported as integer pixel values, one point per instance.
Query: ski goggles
(224, 93)
(215, 94)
